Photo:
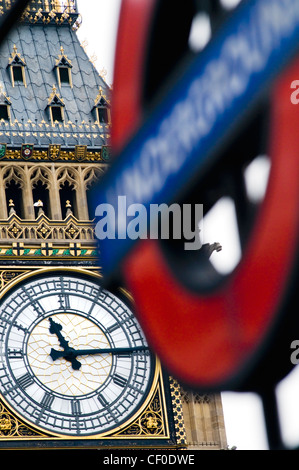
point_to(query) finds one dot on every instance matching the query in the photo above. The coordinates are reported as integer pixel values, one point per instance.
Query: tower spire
(46, 11)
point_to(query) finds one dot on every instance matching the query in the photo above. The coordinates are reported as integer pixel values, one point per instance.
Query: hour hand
(67, 355)
(55, 329)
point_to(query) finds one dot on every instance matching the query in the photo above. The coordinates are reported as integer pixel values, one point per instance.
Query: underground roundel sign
(228, 104)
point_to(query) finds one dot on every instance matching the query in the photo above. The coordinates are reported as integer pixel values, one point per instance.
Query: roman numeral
(47, 400)
(25, 381)
(15, 354)
(103, 400)
(113, 327)
(110, 415)
(37, 308)
(119, 380)
(64, 301)
(96, 295)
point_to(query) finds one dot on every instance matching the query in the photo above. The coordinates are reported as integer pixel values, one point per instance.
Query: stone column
(3, 205)
(55, 205)
(82, 206)
(27, 196)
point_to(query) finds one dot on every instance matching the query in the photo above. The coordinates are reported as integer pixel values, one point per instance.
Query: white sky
(99, 27)
(242, 412)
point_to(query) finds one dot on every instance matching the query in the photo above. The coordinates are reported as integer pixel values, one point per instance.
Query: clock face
(73, 359)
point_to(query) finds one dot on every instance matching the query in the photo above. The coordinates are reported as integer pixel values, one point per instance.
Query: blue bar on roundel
(204, 107)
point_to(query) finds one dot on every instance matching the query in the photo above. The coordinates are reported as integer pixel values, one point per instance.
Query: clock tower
(75, 367)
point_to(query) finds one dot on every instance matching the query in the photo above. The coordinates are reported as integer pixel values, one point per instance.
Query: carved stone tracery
(67, 174)
(12, 427)
(91, 175)
(38, 173)
(52, 177)
(13, 173)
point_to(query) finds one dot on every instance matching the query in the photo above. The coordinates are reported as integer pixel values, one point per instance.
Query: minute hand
(86, 352)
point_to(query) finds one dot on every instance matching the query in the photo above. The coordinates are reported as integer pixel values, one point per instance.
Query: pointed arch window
(57, 114)
(14, 199)
(68, 199)
(41, 198)
(63, 68)
(102, 108)
(40, 184)
(68, 186)
(91, 177)
(16, 65)
(55, 107)
(14, 185)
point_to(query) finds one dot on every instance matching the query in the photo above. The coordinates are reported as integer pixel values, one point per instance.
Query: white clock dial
(58, 375)
(73, 359)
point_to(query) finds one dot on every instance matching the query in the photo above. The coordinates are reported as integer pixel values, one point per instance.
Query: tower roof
(41, 47)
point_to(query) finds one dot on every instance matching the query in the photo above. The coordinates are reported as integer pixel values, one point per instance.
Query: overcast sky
(98, 29)
(242, 412)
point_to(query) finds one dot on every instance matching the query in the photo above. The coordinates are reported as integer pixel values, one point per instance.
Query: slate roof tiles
(40, 46)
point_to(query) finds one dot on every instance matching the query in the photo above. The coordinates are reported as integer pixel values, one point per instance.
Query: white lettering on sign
(223, 80)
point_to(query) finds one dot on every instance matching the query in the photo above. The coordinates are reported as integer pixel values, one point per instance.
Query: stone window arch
(63, 67)
(16, 65)
(67, 179)
(91, 176)
(40, 183)
(101, 108)
(55, 107)
(13, 179)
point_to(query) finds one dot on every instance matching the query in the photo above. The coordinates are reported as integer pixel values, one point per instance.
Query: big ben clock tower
(75, 367)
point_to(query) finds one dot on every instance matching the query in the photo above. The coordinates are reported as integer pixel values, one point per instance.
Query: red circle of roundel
(133, 30)
(207, 341)
(204, 340)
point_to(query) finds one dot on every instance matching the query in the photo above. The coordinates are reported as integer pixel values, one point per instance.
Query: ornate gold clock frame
(149, 425)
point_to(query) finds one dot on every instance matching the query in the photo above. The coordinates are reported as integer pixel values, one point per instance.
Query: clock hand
(84, 352)
(55, 329)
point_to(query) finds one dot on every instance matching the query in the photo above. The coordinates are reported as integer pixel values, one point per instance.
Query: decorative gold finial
(54, 94)
(68, 208)
(11, 206)
(16, 55)
(3, 96)
(99, 96)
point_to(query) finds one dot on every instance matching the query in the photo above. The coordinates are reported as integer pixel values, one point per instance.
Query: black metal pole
(272, 419)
